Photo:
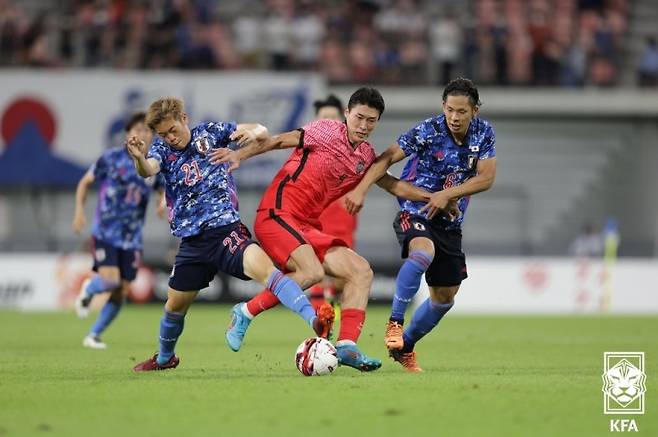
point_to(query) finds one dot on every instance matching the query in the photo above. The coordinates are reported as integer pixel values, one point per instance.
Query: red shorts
(338, 222)
(279, 234)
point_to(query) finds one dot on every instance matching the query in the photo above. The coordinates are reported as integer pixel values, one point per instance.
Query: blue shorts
(106, 255)
(201, 256)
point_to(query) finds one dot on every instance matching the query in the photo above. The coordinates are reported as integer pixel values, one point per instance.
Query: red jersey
(323, 167)
(336, 221)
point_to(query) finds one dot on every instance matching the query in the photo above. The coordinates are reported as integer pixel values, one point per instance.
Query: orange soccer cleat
(325, 320)
(408, 360)
(393, 335)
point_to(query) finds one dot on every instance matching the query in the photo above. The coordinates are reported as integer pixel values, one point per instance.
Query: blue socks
(107, 314)
(426, 317)
(291, 295)
(171, 327)
(408, 281)
(98, 285)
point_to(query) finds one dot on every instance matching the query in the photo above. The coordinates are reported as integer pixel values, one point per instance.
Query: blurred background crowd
(570, 43)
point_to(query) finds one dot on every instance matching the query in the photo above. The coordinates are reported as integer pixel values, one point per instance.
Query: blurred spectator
(307, 33)
(515, 42)
(445, 36)
(647, 72)
(247, 30)
(588, 244)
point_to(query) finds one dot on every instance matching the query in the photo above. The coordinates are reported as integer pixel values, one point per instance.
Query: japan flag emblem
(202, 145)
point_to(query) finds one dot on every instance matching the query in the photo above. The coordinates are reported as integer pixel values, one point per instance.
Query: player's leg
(417, 247)
(424, 320)
(191, 273)
(106, 316)
(128, 262)
(282, 238)
(258, 266)
(171, 328)
(443, 277)
(346, 265)
(106, 278)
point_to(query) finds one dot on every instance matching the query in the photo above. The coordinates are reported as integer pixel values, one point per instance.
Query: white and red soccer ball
(316, 356)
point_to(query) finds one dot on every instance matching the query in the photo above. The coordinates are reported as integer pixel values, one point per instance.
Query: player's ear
(347, 111)
(183, 118)
(476, 109)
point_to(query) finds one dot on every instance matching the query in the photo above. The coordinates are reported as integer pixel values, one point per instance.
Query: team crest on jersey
(472, 159)
(202, 145)
(419, 226)
(360, 166)
(440, 155)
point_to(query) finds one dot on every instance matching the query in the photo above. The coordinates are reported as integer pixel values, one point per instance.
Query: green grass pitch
(484, 376)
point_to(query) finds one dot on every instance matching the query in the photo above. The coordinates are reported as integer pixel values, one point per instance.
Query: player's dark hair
(367, 96)
(462, 87)
(138, 117)
(332, 101)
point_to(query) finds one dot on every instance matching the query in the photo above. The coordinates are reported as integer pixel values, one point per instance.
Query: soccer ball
(316, 356)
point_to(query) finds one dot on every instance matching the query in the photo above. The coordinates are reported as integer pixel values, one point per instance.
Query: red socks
(261, 302)
(351, 323)
(316, 296)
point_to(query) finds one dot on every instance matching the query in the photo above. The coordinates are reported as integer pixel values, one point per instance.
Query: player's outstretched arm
(79, 219)
(403, 189)
(354, 199)
(234, 157)
(486, 174)
(146, 167)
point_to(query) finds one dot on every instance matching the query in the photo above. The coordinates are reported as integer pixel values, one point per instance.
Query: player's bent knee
(310, 276)
(179, 301)
(423, 244)
(444, 295)
(360, 271)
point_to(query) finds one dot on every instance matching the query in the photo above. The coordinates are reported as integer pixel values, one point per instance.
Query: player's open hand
(354, 201)
(136, 147)
(79, 222)
(438, 202)
(243, 136)
(224, 155)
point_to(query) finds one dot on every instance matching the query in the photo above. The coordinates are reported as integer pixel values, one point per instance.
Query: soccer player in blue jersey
(203, 201)
(117, 227)
(452, 155)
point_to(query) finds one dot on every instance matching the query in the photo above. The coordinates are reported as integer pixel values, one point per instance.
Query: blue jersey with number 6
(200, 195)
(437, 162)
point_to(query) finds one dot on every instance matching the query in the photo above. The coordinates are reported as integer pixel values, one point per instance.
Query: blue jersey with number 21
(200, 195)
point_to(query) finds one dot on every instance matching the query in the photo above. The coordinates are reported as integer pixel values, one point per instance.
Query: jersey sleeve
(317, 133)
(221, 132)
(157, 152)
(412, 141)
(99, 168)
(488, 149)
(159, 183)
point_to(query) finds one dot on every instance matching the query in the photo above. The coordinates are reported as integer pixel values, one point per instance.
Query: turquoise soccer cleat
(350, 355)
(237, 328)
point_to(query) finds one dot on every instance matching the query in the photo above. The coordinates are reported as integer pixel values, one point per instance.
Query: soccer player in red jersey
(335, 219)
(329, 159)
